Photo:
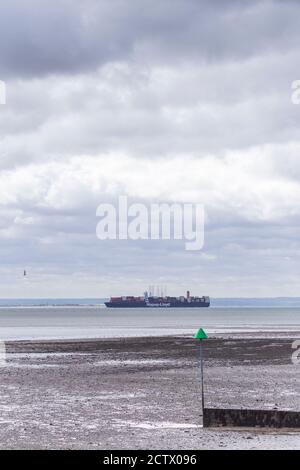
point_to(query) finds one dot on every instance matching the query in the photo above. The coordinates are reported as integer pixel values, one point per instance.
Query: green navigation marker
(200, 334)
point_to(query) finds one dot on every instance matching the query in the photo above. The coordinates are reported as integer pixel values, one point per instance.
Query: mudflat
(143, 393)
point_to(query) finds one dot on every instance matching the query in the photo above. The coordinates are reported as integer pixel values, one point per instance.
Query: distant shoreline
(218, 302)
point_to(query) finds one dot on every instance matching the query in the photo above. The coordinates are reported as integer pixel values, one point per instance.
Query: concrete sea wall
(218, 417)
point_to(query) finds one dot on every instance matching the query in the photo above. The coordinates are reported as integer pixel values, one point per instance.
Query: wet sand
(142, 393)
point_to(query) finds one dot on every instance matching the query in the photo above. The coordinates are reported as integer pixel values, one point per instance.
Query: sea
(37, 319)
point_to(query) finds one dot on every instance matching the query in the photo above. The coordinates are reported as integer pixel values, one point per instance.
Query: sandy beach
(143, 393)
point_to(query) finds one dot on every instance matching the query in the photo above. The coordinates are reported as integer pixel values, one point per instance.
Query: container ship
(150, 301)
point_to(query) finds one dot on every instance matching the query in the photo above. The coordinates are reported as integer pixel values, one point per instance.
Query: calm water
(96, 321)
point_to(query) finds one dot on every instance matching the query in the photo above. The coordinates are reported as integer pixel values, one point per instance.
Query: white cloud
(254, 183)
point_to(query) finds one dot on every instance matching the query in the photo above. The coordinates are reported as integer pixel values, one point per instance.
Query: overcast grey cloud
(39, 36)
(170, 101)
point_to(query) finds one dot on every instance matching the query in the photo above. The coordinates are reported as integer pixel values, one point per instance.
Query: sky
(185, 101)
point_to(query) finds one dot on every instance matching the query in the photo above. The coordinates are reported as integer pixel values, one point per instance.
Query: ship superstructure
(151, 301)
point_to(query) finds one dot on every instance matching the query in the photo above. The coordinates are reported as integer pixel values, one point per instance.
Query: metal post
(200, 335)
(202, 384)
